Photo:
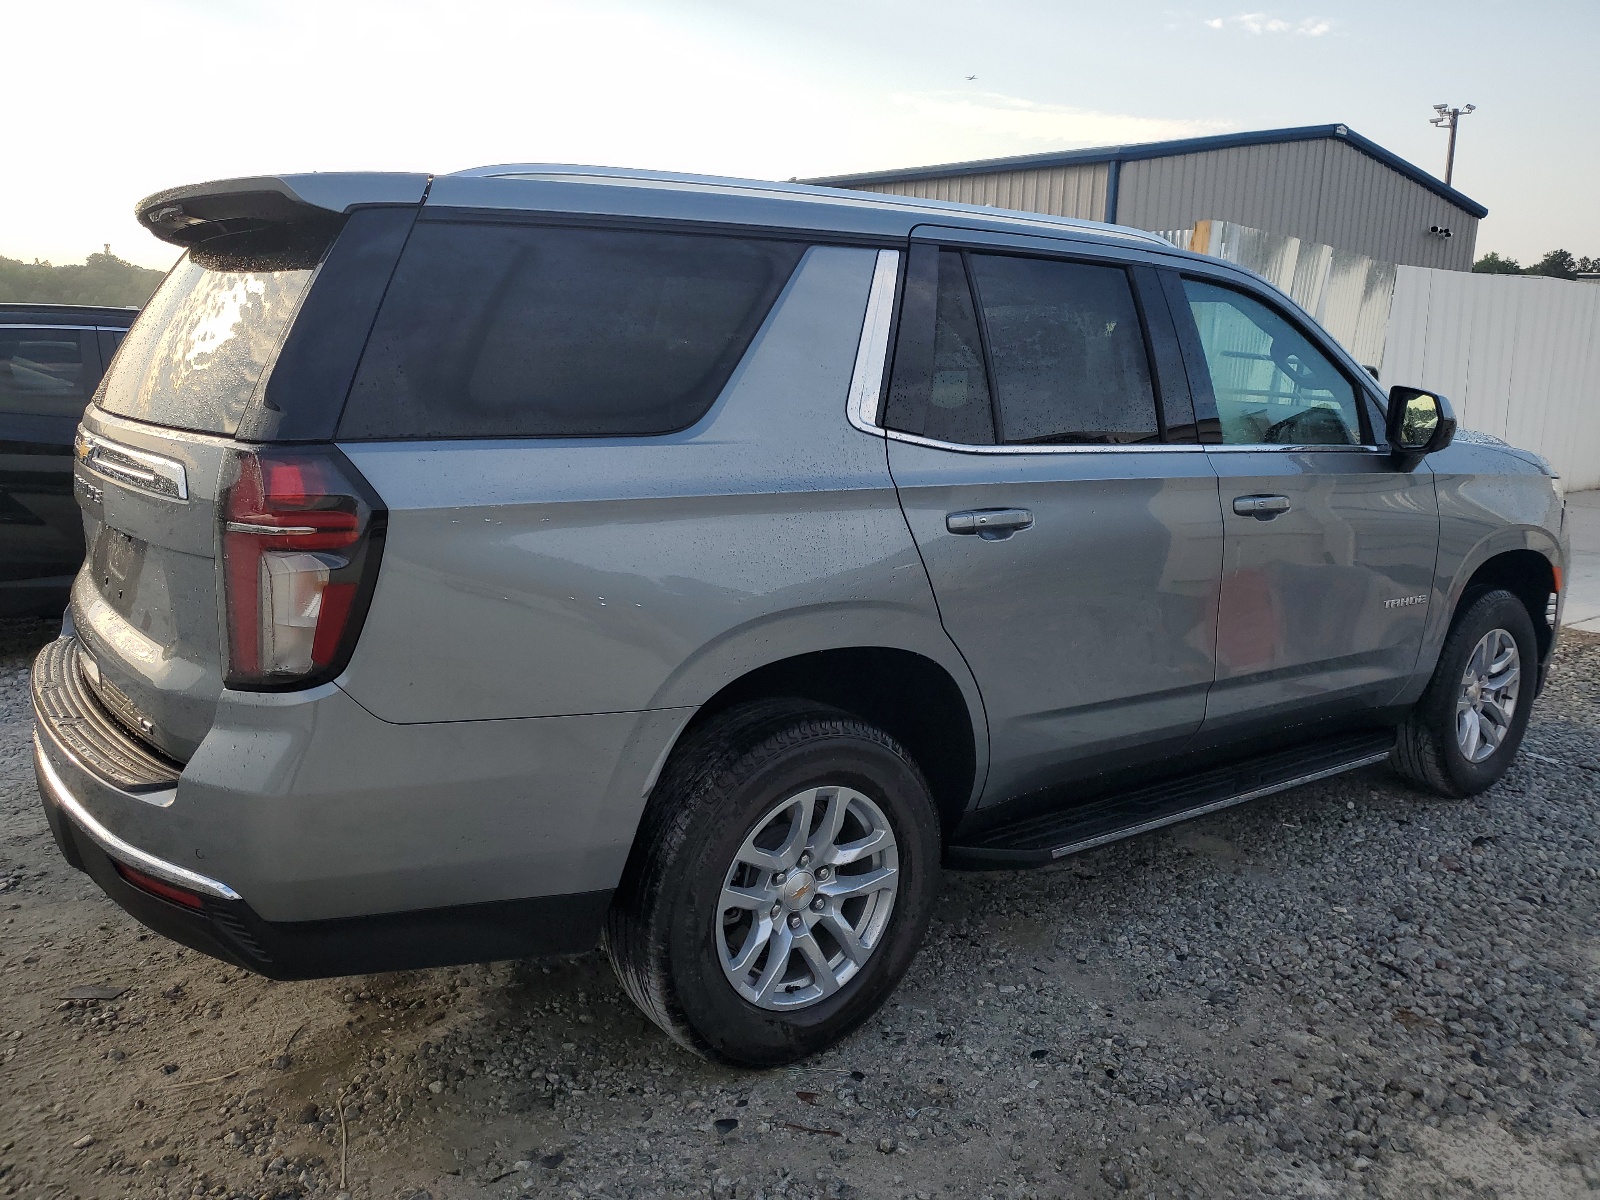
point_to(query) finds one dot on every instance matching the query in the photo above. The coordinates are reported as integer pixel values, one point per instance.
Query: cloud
(1007, 124)
(1258, 23)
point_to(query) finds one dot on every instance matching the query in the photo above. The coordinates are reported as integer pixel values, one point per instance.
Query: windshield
(201, 346)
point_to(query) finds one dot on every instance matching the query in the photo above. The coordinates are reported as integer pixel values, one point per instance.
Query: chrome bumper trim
(111, 843)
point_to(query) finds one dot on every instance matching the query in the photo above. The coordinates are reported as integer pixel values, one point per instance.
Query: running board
(1038, 840)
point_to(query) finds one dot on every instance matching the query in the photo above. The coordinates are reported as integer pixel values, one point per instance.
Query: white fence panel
(1519, 356)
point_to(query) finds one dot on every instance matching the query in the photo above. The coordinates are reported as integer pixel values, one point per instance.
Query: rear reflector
(300, 539)
(158, 887)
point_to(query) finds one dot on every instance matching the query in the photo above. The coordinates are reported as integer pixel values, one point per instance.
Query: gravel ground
(1350, 989)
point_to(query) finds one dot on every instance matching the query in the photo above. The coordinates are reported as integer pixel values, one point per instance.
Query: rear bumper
(319, 841)
(225, 927)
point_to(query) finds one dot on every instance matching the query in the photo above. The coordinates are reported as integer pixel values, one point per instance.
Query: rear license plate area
(117, 560)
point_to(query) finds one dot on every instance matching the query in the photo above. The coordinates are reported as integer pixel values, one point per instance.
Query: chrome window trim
(147, 468)
(51, 328)
(866, 379)
(1257, 447)
(1132, 448)
(866, 391)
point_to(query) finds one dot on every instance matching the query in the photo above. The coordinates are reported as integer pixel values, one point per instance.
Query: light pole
(1447, 119)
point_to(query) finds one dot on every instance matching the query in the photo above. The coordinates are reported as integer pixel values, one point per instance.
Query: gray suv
(500, 563)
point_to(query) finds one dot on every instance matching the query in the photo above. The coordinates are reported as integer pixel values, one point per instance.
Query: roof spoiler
(186, 216)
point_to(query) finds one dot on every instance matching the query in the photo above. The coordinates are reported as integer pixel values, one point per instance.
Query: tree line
(1558, 264)
(102, 279)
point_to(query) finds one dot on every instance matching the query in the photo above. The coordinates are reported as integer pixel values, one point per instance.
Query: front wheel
(780, 884)
(1464, 732)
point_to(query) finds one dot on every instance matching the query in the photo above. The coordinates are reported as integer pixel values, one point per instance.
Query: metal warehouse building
(1321, 183)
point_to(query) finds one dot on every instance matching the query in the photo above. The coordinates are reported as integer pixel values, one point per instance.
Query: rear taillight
(301, 535)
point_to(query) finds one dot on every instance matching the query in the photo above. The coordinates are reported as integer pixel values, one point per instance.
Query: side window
(1273, 386)
(531, 331)
(46, 371)
(945, 397)
(110, 339)
(1068, 351)
(958, 403)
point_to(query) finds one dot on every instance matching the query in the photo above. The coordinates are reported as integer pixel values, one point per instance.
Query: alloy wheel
(807, 898)
(1488, 697)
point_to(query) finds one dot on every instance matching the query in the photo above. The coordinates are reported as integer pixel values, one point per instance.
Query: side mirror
(1419, 424)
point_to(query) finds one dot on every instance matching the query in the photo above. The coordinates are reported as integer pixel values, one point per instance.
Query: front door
(1329, 549)
(1067, 519)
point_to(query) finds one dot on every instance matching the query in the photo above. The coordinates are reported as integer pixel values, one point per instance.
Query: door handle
(991, 524)
(1262, 508)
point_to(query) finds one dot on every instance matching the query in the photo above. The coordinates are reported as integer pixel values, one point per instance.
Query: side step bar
(1042, 839)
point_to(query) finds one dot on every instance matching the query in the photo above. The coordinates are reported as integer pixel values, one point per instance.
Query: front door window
(1273, 387)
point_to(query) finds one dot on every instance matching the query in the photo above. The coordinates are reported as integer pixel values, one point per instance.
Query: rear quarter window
(500, 330)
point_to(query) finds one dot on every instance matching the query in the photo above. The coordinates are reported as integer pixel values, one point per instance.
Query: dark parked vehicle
(51, 359)
(485, 564)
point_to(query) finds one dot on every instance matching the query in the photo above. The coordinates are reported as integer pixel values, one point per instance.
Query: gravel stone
(1350, 989)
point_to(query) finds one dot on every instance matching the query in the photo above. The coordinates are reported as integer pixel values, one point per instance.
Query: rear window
(534, 331)
(1068, 351)
(202, 344)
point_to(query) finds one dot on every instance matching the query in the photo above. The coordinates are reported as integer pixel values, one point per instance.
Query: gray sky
(124, 99)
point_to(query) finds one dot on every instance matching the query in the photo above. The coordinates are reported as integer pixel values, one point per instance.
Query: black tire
(714, 790)
(1427, 752)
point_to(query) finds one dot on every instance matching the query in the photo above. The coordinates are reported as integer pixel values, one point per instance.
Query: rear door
(1043, 445)
(47, 374)
(1329, 549)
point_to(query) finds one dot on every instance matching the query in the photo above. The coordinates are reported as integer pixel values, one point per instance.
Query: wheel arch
(1526, 574)
(1520, 558)
(909, 695)
(1524, 560)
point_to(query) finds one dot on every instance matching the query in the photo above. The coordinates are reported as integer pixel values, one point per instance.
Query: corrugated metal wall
(1348, 293)
(1519, 358)
(1060, 191)
(1319, 191)
(1322, 191)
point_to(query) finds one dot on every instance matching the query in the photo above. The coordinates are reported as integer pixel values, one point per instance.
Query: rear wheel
(1464, 732)
(780, 884)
